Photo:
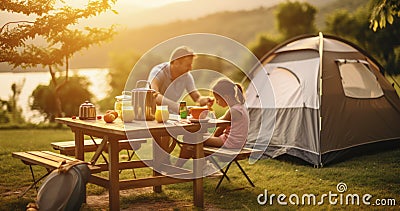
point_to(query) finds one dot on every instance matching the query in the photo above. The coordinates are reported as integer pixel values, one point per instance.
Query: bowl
(199, 112)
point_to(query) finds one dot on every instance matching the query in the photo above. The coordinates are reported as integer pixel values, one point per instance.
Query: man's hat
(180, 52)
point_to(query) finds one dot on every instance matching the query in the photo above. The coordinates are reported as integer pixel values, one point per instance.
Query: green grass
(376, 174)
(14, 175)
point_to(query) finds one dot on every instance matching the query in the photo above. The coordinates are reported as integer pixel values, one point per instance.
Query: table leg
(79, 151)
(113, 157)
(158, 146)
(198, 189)
(79, 139)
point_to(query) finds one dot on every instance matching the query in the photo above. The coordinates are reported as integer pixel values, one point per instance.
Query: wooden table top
(138, 128)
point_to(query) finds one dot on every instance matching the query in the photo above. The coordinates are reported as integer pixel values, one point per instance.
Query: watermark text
(333, 198)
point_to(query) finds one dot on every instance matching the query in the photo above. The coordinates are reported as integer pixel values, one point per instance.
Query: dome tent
(331, 99)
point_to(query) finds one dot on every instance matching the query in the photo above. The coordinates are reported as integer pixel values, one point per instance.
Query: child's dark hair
(227, 87)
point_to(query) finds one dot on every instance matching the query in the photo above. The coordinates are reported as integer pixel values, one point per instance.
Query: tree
(4, 110)
(74, 93)
(10, 112)
(16, 111)
(55, 25)
(121, 64)
(383, 45)
(341, 22)
(295, 18)
(383, 11)
(263, 44)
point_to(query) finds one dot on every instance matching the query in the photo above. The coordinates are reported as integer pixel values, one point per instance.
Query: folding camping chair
(232, 156)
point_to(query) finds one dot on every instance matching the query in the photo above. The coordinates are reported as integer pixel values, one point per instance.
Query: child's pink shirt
(235, 136)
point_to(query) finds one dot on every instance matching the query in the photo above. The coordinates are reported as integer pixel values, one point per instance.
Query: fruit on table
(109, 117)
(113, 112)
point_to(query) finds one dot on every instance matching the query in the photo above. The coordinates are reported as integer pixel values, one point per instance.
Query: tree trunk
(66, 68)
(59, 112)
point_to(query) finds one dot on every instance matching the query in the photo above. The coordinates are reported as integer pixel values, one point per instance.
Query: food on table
(113, 112)
(109, 117)
(199, 112)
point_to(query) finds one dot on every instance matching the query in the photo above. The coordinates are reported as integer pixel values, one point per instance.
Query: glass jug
(124, 100)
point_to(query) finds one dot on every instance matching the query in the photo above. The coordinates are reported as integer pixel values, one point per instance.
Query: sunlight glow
(154, 3)
(125, 3)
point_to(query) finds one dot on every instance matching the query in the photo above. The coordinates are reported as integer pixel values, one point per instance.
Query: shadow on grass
(347, 155)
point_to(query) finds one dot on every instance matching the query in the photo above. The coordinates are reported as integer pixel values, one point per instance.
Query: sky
(139, 13)
(121, 5)
(147, 3)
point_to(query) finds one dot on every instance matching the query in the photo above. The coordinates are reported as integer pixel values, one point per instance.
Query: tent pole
(319, 91)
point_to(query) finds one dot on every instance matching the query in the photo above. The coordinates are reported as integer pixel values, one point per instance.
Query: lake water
(97, 77)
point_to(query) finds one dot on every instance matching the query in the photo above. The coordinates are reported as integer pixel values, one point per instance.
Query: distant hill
(134, 17)
(242, 26)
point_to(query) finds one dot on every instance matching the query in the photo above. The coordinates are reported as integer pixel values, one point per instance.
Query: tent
(329, 98)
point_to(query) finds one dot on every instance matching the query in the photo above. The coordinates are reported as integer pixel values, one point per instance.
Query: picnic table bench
(48, 160)
(91, 145)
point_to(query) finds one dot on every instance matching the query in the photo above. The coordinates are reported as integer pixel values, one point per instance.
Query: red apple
(109, 117)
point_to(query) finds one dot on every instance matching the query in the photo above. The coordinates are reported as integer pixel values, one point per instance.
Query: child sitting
(227, 94)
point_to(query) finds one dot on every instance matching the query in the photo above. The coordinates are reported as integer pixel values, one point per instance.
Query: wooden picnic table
(111, 133)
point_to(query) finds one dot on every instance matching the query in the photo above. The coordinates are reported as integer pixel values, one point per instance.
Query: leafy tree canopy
(295, 18)
(263, 44)
(73, 94)
(382, 44)
(383, 11)
(54, 23)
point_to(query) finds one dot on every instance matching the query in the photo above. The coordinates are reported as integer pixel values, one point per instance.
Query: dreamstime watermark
(338, 197)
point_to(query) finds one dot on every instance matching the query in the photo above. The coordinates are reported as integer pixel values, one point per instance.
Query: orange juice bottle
(162, 114)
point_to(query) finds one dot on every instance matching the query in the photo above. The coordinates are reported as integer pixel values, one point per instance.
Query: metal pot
(144, 101)
(87, 111)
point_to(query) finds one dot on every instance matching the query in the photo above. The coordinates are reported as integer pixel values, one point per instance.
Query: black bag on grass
(65, 188)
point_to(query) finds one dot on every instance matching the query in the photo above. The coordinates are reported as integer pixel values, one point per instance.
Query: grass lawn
(377, 174)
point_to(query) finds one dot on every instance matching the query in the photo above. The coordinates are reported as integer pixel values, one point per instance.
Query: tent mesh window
(357, 79)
